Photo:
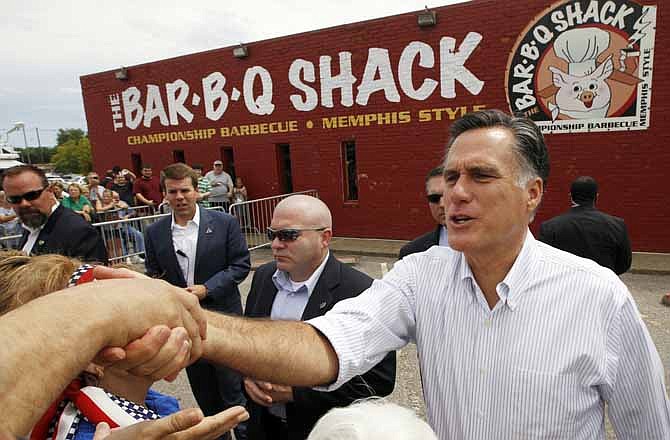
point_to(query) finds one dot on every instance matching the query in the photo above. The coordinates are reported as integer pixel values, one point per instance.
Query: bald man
(304, 281)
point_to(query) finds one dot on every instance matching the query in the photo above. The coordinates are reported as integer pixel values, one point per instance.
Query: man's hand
(151, 301)
(281, 393)
(266, 393)
(199, 290)
(258, 391)
(188, 424)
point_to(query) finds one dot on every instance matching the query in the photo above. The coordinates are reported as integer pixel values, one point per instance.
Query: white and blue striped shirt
(565, 338)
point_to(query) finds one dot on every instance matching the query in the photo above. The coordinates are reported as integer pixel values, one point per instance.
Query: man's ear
(327, 236)
(534, 191)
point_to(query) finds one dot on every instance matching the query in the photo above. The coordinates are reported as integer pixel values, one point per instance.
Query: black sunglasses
(434, 198)
(288, 234)
(29, 196)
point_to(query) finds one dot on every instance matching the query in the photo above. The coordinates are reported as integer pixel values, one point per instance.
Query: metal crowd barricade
(122, 230)
(256, 215)
(10, 241)
(123, 233)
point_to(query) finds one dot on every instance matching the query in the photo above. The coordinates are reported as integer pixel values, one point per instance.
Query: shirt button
(480, 413)
(487, 323)
(483, 371)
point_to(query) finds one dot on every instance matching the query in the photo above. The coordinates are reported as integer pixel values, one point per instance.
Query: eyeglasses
(434, 198)
(29, 196)
(288, 234)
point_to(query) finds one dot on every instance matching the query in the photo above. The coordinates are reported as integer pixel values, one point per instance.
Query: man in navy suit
(49, 228)
(304, 281)
(205, 252)
(434, 189)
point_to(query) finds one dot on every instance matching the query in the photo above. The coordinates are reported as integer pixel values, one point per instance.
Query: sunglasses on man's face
(288, 234)
(434, 198)
(29, 196)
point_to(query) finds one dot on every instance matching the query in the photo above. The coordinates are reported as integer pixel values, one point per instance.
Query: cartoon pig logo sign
(582, 92)
(582, 97)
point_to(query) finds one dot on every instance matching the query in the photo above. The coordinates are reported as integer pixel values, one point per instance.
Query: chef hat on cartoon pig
(580, 48)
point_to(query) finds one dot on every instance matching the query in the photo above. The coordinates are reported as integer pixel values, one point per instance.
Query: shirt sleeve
(635, 391)
(363, 329)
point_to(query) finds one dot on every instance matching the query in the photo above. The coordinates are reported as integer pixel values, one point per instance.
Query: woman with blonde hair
(99, 394)
(78, 202)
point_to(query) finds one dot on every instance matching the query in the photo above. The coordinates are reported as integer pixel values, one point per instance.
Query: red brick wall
(393, 159)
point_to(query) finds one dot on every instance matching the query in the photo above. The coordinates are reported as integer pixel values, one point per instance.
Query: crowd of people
(515, 337)
(120, 195)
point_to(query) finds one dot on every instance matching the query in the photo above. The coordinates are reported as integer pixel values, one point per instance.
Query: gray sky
(47, 45)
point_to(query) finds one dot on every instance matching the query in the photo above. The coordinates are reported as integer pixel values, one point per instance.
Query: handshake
(140, 326)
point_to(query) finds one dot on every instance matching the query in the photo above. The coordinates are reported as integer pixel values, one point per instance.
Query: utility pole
(25, 142)
(39, 145)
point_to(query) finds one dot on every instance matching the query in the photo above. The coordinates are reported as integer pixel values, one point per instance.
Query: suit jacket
(592, 234)
(337, 282)
(67, 233)
(221, 261)
(422, 243)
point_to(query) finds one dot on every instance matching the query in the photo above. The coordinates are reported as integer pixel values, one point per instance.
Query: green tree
(74, 156)
(69, 134)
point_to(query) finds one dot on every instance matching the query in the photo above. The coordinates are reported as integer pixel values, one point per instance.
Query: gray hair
(529, 148)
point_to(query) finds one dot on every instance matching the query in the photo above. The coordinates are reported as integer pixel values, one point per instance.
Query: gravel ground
(646, 289)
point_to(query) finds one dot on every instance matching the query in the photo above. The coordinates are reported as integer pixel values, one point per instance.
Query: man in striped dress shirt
(516, 339)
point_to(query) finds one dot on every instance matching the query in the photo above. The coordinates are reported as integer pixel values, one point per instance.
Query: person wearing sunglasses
(304, 281)
(48, 226)
(438, 236)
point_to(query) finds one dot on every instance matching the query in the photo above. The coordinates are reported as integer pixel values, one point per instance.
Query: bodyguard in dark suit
(49, 227)
(438, 236)
(587, 232)
(204, 252)
(304, 281)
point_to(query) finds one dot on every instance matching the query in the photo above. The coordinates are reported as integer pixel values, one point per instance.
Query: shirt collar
(510, 289)
(281, 279)
(31, 230)
(195, 219)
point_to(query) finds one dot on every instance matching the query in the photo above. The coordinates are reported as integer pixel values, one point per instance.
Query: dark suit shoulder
(420, 244)
(159, 224)
(267, 269)
(216, 215)
(355, 276)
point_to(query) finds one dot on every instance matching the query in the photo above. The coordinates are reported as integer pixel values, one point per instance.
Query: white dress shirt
(34, 233)
(185, 242)
(565, 338)
(289, 305)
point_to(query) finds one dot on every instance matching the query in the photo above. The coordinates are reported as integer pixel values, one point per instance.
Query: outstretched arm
(287, 352)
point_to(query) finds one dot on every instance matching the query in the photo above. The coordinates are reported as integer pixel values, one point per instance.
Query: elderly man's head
(495, 172)
(27, 191)
(300, 231)
(371, 419)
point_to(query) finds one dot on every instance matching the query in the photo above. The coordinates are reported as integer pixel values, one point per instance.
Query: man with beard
(49, 227)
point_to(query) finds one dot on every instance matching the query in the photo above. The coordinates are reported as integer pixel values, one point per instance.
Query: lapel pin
(208, 231)
(322, 305)
(40, 243)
